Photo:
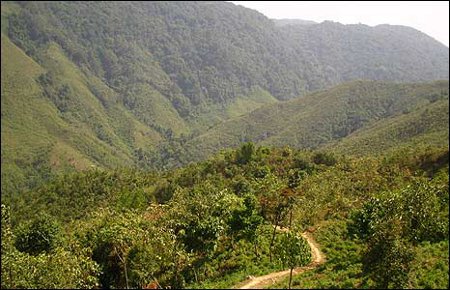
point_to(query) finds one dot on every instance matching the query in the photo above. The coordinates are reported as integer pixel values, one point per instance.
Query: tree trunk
(273, 236)
(124, 262)
(290, 278)
(290, 219)
(126, 275)
(256, 248)
(195, 275)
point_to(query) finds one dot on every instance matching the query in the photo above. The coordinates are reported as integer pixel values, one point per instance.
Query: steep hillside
(48, 129)
(357, 51)
(131, 83)
(325, 116)
(426, 126)
(197, 52)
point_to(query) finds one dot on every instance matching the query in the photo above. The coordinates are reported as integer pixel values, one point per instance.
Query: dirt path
(263, 281)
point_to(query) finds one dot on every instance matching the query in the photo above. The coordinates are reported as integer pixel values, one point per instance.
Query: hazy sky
(430, 17)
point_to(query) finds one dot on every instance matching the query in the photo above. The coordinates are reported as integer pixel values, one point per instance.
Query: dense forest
(172, 144)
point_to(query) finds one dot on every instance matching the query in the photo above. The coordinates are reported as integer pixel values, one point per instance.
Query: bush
(42, 235)
(324, 158)
(246, 153)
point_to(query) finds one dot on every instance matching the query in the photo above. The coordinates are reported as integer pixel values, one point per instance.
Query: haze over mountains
(158, 84)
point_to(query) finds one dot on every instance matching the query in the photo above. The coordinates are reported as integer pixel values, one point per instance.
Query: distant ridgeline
(160, 84)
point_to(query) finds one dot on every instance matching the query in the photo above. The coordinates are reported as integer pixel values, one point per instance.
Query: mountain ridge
(132, 83)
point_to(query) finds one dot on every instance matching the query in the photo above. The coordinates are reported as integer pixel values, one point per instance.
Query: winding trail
(263, 281)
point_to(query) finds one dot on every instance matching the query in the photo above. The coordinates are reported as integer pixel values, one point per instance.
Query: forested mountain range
(110, 84)
(194, 144)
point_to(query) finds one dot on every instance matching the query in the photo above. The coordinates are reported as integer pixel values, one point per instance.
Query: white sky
(430, 17)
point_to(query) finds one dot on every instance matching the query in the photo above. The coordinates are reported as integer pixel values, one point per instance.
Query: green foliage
(41, 235)
(245, 220)
(60, 269)
(419, 206)
(107, 91)
(42, 268)
(324, 158)
(292, 250)
(73, 195)
(326, 119)
(422, 126)
(388, 257)
(200, 216)
(430, 268)
(216, 226)
(342, 268)
(245, 153)
(104, 91)
(393, 223)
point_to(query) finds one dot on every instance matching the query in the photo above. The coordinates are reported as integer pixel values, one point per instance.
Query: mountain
(104, 106)
(356, 51)
(426, 126)
(107, 84)
(284, 22)
(354, 112)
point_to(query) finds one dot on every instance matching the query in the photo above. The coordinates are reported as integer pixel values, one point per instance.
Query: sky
(430, 17)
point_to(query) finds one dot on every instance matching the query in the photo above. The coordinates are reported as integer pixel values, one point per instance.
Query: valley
(162, 144)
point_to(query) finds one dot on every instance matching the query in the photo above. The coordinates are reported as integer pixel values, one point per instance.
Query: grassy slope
(322, 117)
(24, 112)
(94, 129)
(36, 134)
(426, 125)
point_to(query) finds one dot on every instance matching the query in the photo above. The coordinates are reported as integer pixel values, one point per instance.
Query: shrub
(324, 158)
(42, 235)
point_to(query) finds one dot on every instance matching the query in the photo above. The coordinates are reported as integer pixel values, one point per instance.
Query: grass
(425, 125)
(35, 130)
(255, 99)
(430, 268)
(327, 116)
(342, 266)
(232, 266)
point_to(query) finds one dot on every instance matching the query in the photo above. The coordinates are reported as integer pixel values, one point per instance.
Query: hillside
(326, 116)
(202, 145)
(130, 83)
(50, 130)
(196, 52)
(425, 126)
(380, 222)
(357, 51)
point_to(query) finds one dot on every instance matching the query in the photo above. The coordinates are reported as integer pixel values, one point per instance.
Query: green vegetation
(135, 148)
(211, 224)
(360, 117)
(425, 125)
(293, 251)
(143, 84)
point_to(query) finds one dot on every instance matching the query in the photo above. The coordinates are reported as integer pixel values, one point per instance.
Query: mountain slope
(197, 52)
(45, 131)
(134, 83)
(357, 51)
(322, 117)
(425, 126)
